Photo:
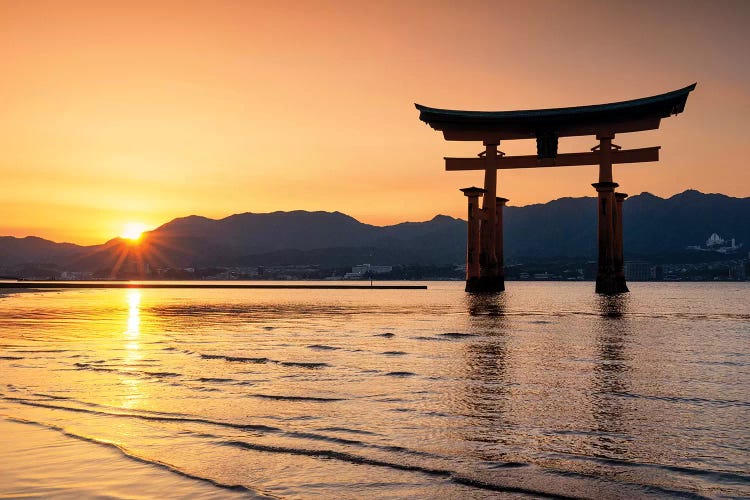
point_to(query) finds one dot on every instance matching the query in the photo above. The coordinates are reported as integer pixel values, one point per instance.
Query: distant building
(365, 270)
(716, 243)
(637, 271)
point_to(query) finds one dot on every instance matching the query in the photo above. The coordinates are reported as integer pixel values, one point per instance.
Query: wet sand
(38, 462)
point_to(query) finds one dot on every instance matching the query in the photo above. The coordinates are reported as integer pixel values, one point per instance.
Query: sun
(133, 231)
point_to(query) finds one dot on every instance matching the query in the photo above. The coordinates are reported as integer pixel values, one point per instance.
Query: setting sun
(133, 231)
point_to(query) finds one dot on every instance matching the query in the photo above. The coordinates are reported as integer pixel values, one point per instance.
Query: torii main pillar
(490, 275)
(609, 227)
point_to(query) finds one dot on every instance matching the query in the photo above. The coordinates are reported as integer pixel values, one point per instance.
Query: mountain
(561, 229)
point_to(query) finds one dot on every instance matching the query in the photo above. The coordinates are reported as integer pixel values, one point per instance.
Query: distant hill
(561, 229)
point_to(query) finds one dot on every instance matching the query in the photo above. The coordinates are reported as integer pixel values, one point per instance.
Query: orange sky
(112, 112)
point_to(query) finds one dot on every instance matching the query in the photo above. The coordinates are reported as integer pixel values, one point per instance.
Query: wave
(132, 456)
(717, 476)
(351, 458)
(236, 359)
(94, 366)
(322, 347)
(262, 360)
(297, 398)
(678, 399)
(303, 364)
(456, 335)
(150, 417)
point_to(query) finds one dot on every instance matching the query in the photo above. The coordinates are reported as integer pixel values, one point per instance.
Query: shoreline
(37, 460)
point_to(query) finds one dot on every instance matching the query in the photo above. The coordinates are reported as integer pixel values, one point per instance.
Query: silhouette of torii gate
(484, 253)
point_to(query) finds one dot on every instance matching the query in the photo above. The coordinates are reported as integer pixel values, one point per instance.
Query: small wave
(261, 360)
(33, 351)
(11, 358)
(717, 476)
(322, 347)
(132, 456)
(346, 429)
(400, 374)
(297, 398)
(360, 460)
(432, 339)
(161, 374)
(152, 417)
(235, 359)
(133, 373)
(394, 353)
(216, 379)
(678, 399)
(456, 335)
(303, 364)
(386, 335)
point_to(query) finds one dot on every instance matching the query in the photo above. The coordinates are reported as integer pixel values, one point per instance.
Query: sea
(544, 391)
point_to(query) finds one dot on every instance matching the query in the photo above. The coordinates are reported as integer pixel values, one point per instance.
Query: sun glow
(133, 231)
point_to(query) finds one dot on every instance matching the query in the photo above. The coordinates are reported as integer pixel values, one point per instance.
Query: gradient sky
(115, 112)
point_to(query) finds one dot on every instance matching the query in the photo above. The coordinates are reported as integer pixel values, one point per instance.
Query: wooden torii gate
(484, 261)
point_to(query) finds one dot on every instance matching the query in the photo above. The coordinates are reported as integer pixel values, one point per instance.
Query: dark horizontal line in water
(132, 456)
(57, 285)
(719, 476)
(159, 417)
(678, 399)
(298, 398)
(156, 418)
(303, 364)
(322, 347)
(359, 460)
(346, 429)
(260, 360)
(238, 359)
(400, 374)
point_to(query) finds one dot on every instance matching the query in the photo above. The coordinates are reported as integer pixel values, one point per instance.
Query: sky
(114, 113)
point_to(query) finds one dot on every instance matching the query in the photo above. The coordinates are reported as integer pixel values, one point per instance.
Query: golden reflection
(133, 355)
(611, 376)
(485, 395)
(134, 314)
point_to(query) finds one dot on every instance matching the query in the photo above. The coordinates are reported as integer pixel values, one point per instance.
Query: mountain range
(565, 228)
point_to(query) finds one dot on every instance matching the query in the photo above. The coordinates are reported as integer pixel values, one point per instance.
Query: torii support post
(606, 276)
(499, 252)
(489, 278)
(473, 218)
(619, 251)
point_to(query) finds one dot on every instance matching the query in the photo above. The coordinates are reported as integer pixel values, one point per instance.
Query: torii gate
(484, 261)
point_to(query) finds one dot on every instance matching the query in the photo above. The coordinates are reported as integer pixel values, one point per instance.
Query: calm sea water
(545, 390)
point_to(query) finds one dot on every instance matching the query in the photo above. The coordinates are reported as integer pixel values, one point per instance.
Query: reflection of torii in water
(484, 259)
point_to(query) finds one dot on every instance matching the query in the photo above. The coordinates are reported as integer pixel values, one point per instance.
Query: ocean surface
(546, 390)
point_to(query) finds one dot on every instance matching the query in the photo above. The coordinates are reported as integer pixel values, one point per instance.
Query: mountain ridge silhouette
(564, 228)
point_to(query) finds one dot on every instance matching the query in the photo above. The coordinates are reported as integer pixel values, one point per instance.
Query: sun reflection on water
(133, 356)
